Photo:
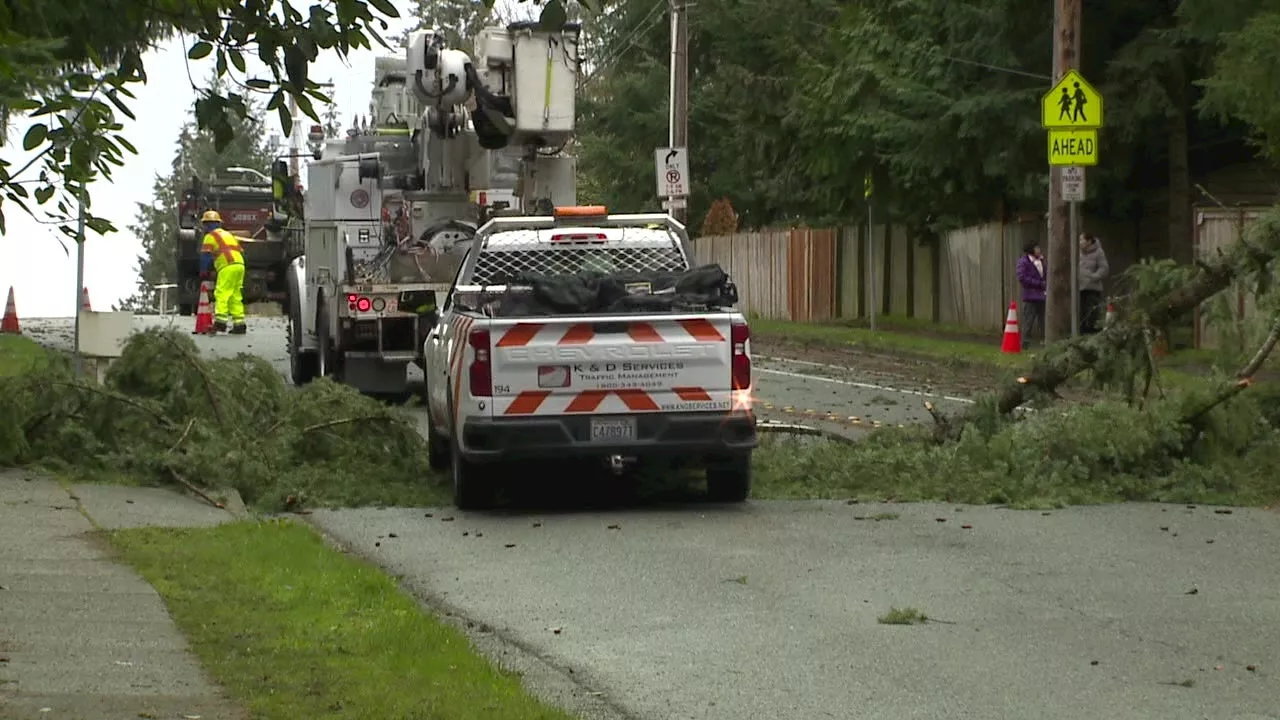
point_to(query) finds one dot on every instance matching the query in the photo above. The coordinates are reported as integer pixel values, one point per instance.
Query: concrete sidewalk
(83, 637)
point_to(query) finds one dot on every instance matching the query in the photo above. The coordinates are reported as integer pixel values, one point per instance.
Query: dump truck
(249, 203)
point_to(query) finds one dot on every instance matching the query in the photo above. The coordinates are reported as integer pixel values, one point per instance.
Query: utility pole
(1062, 250)
(295, 145)
(294, 149)
(678, 134)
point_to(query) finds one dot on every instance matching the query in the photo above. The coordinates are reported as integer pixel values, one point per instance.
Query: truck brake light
(579, 238)
(740, 336)
(481, 371)
(359, 303)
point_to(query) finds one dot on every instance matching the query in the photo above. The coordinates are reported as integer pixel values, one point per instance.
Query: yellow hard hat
(211, 216)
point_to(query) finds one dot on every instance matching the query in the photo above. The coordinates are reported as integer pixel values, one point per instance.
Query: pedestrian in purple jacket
(1032, 276)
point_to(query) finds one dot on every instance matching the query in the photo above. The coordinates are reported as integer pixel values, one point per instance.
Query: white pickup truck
(588, 335)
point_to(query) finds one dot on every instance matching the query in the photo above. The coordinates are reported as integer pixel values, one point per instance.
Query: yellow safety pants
(228, 295)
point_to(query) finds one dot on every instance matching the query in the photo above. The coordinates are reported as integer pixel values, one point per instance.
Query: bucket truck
(390, 210)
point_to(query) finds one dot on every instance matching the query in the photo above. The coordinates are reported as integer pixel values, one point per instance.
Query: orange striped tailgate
(702, 330)
(692, 394)
(637, 400)
(578, 335)
(643, 332)
(519, 335)
(587, 401)
(528, 402)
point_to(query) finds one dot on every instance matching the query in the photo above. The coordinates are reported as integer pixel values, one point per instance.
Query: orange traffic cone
(1012, 342)
(10, 322)
(204, 312)
(84, 300)
(1111, 315)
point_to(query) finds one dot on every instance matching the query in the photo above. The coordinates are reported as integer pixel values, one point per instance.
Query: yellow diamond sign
(1072, 104)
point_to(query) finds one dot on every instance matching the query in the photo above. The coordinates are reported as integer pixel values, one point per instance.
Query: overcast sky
(34, 263)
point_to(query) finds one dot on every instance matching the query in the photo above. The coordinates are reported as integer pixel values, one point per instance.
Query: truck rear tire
(302, 365)
(474, 484)
(186, 309)
(327, 364)
(437, 445)
(729, 480)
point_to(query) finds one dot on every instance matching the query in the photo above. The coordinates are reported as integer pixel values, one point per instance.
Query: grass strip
(950, 346)
(294, 629)
(892, 338)
(19, 355)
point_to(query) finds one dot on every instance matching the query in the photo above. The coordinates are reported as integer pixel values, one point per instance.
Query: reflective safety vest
(224, 247)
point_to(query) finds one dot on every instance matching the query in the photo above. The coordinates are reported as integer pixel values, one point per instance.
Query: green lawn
(18, 354)
(943, 343)
(892, 335)
(294, 629)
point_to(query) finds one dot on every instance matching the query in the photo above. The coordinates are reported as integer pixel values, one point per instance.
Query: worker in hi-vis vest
(221, 256)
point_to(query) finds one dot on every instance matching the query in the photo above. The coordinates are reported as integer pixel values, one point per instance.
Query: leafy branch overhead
(69, 73)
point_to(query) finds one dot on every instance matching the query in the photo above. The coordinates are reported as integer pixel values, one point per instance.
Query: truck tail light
(740, 336)
(590, 238)
(481, 371)
(359, 303)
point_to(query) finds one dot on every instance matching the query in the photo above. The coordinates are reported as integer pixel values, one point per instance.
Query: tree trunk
(1180, 216)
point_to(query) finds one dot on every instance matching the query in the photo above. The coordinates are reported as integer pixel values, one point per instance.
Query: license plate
(608, 430)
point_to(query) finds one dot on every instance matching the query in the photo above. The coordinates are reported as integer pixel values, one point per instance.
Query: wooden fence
(807, 275)
(781, 274)
(1215, 230)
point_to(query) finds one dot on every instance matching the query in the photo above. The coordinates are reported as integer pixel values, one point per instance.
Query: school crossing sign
(1073, 147)
(1072, 112)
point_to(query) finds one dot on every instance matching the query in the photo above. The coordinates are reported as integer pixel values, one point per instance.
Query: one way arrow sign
(672, 165)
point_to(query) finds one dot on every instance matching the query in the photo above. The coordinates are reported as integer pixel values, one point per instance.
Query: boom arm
(516, 99)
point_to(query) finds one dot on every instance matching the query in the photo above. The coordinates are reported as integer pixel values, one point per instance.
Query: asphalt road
(833, 399)
(770, 610)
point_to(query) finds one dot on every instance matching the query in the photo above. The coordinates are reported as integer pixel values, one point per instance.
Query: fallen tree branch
(341, 421)
(191, 486)
(792, 429)
(208, 381)
(1260, 357)
(1195, 419)
(118, 398)
(1070, 358)
(186, 431)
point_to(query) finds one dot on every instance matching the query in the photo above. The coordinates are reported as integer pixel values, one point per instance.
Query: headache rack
(659, 244)
(587, 263)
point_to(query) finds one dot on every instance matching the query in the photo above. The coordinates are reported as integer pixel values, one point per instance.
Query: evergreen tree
(156, 222)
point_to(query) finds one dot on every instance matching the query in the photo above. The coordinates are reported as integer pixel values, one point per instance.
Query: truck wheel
(473, 483)
(729, 480)
(437, 445)
(186, 309)
(302, 365)
(325, 356)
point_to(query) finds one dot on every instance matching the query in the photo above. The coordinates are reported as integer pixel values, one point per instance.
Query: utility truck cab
(588, 335)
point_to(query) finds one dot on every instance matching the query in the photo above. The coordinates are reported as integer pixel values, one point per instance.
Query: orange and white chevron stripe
(697, 329)
(592, 402)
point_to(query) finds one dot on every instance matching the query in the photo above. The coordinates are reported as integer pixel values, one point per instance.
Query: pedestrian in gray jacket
(1093, 273)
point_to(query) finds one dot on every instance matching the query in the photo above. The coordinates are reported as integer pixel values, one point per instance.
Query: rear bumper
(565, 437)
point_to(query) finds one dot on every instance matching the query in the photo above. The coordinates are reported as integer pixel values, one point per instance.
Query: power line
(648, 21)
(997, 68)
